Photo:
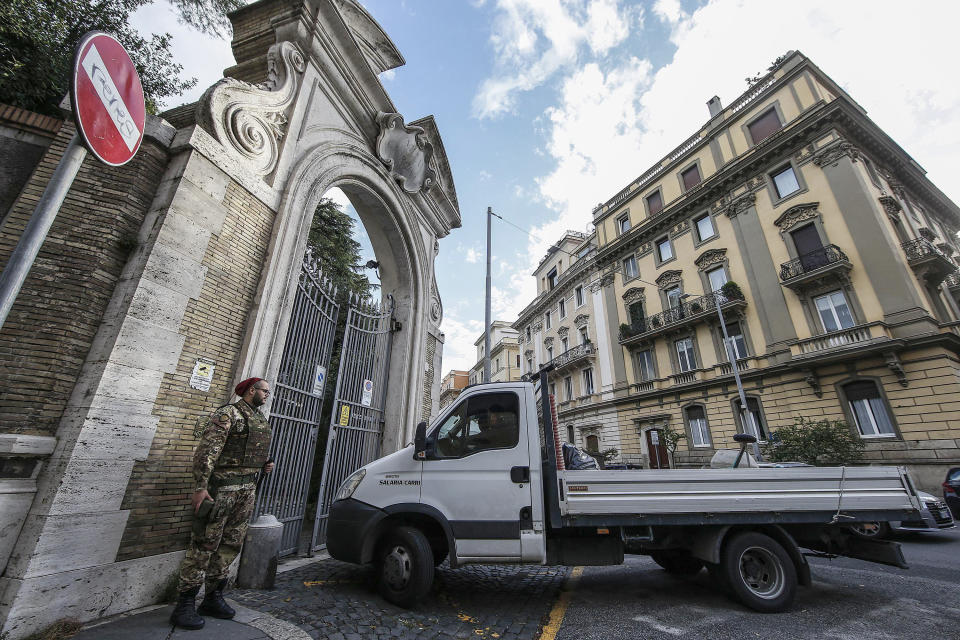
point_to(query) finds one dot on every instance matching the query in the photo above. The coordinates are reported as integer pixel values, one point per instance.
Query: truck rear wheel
(679, 563)
(759, 572)
(405, 567)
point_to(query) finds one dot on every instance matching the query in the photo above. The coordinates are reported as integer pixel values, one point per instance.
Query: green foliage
(822, 443)
(603, 457)
(331, 238)
(671, 438)
(38, 37)
(731, 291)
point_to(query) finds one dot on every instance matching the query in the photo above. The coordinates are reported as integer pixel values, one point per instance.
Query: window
(685, 356)
(552, 278)
(704, 226)
(530, 365)
(564, 345)
(518, 361)
(584, 335)
(528, 334)
(578, 295)
(623, 224)
(699, 431)
(482, 422)
(673, 297)
(834, 311)
(630, 267)
(717, 278)
(869, 410)
(496, 364)
(644, 364)
(593, 443)
(764, 126)
(636, 315)
(584, 251)
(736, 340)
(654, 203)
(785, 181)
(570, 433)
(568, 388)
(664, 250)
(588, 381)
(553, 390)
(563, 308)
(549, 354)
(546, 320)
(755, 424)
(690, 178)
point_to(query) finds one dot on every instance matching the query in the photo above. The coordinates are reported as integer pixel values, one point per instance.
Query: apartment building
(505, 363)
(451, 386)
(832, 259)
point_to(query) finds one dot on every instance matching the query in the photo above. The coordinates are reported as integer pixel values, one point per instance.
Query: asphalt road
(849, 599)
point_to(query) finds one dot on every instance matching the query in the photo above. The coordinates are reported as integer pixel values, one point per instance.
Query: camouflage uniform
(233, 449)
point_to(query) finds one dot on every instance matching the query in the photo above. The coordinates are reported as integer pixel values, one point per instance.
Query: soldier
(230, 455)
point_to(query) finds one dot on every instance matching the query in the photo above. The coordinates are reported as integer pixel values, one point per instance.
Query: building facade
(505, 365)
(451, 386)
(832, 259)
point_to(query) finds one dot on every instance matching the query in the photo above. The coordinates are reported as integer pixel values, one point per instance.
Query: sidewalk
(153, 623)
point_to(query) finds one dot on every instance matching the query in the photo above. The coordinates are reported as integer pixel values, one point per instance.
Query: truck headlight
(350, 484)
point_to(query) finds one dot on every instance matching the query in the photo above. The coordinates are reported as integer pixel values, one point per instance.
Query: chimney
(713, 104)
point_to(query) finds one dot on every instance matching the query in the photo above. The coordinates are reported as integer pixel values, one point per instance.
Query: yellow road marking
(559, 610)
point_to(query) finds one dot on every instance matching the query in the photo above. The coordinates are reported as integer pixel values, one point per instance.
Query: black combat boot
(184, 615)
(214, 605)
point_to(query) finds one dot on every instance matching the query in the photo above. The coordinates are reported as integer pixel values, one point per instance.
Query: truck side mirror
(420, 441)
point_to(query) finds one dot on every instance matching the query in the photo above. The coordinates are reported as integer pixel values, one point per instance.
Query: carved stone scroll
(831, 154)
(581, 320)
(709, 258)
(633, 294)
(669, 278)
(796, 214)
(251, 119)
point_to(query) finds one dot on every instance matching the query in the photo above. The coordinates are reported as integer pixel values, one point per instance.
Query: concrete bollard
(261, 550)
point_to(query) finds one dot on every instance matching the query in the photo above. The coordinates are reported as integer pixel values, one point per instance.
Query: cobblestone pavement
(336, 600)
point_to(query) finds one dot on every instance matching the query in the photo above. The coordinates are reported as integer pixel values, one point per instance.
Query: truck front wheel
(405, 567)
(759, 572)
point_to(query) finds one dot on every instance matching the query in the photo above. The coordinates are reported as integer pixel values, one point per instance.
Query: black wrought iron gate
(298, 401)
(356, 425)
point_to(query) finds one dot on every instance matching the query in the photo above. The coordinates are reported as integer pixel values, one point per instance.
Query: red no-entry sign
(107, 98)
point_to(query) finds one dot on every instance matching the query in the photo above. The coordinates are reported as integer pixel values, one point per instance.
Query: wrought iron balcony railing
(953, 280)
(920, 249)
(574, 355)
(687, 312)
(929, 262)
(827, 256)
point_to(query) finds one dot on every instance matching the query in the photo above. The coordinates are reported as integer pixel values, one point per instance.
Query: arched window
(869, 410)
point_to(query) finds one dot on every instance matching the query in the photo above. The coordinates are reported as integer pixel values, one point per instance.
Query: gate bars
(298, 401)
(356, 424)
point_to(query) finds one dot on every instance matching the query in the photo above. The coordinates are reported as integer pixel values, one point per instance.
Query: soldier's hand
(198, 499)
(268, 468)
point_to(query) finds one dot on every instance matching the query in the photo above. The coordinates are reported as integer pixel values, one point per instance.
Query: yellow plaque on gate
(344, 415)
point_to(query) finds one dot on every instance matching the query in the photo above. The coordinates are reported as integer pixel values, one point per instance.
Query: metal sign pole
(745, 416)
(15, 273)
(486, 324)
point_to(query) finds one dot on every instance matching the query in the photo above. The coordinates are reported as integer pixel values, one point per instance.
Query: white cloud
(533, 39)
(388, 75)
(472, 255)
(339, 197)
(458, 349)
(484, 175)
(669, 11)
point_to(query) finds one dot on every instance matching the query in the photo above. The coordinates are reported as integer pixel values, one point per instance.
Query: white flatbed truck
(485, 485)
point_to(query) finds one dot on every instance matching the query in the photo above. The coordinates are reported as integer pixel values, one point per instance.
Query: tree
(331, 240)
(822, 443)
(38, 37)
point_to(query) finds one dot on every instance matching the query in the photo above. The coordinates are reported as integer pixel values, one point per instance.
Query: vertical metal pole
(486, 328)
(36, 230)
(745, 416)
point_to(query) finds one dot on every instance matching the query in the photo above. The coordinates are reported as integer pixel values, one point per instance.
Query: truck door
(476, 473)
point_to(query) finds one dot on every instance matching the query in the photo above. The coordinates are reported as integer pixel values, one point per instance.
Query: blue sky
(547, 107)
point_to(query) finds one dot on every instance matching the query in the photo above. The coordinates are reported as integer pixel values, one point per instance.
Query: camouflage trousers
(216, 539)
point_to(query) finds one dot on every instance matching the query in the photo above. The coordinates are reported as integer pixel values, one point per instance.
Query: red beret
(242, 388)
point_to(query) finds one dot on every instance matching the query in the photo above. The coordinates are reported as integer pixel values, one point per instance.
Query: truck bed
(803, 494)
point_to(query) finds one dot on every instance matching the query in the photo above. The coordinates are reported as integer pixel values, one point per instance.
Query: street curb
(276, 628)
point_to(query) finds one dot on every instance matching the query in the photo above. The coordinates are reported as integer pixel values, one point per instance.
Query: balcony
(843, 340)
(574, 356)
(689, 312)
(953, 285)
(927, 261)
(811, 268)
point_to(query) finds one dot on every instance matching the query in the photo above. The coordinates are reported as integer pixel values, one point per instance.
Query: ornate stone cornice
(927, 234)
(528, 353)
(548, 342)
(831, 154)
(710, 257)
(891, 206)
(581, 320)
(740, 204)
(669, 278)
(251, 119)
(796, 214)
(633, 294)
(537, 327)
(406, 152)
(563, 331)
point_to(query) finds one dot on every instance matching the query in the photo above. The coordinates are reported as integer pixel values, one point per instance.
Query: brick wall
(214, 326)
(50, 327)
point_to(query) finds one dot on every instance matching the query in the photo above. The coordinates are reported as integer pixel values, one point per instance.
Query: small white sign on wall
(318, 380)
(202, 375)
(367, 396)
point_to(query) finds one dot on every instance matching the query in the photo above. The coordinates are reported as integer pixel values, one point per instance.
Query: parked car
(934, 516)
(951, 491)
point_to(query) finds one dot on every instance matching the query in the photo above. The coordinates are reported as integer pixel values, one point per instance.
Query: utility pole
(486, 337)
(745, 416)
